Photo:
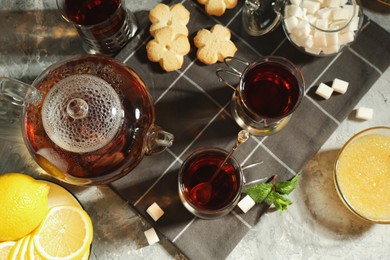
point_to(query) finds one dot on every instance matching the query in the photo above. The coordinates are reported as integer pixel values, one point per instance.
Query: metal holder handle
(232, 70)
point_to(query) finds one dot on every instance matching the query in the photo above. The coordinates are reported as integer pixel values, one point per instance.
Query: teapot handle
(15, 94)
(157, 140)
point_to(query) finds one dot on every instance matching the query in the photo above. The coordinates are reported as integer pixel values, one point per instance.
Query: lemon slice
(66, 233)
(22, 254)
(59, 196)
(13, 254)
(5, 248)
(32, 252)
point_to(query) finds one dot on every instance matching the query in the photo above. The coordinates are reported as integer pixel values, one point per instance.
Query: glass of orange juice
(362, 174)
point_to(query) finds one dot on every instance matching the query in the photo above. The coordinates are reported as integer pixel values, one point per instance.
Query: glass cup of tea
(205, 194)
(269, 91)
(105, 26)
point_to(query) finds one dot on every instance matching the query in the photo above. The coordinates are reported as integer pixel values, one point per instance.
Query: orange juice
(363, 176)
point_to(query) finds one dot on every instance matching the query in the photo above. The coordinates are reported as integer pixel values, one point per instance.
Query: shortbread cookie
(175, 16)
(217, 7)
(214, 45)
(168, 48)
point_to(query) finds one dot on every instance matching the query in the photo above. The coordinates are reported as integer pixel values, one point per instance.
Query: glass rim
(336, 183)
(232, 203)
(87, 26)
(291, 67)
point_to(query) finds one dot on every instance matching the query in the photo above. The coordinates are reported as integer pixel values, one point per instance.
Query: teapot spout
(157, 140)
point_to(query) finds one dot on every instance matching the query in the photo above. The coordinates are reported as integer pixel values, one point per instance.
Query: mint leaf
(259, 192)
(286, 187)
(279, 201)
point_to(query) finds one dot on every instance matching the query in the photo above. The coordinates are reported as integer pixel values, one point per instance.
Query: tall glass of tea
(105, 26)
(269, 91)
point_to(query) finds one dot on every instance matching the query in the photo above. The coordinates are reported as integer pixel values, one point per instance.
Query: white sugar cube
(334, 3)
(155, 211)
(308, 42)
(313, 50)
(311, 6)
(246, 204)
(324, 13)
(302, 29)
(331, 49)
(324, 91)
(295, 2)
(293, 10)
(151, 236)
(364, 113)
(290, 23)
(341, 14)
(322, 24)
(343, 2)
(311, 18)
(335, 25)
(340, 86)
(319, 39)
(332, 39)
(345, 38)
(354, 24)
(354, 11)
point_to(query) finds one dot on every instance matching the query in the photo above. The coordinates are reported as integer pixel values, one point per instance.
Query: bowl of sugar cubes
(322, 27)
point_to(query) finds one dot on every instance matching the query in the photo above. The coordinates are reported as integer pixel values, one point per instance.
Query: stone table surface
(316, 226)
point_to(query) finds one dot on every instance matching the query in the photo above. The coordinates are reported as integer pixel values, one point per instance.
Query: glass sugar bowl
(322, 27)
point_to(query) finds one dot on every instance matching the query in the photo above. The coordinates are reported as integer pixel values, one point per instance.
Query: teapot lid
(82, 113)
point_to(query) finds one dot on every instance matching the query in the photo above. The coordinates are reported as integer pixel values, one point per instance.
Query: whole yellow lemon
(23, 204)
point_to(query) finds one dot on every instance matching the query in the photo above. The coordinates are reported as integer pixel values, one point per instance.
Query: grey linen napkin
(194, 106)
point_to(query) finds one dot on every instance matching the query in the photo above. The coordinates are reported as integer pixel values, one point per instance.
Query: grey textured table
(34, 36)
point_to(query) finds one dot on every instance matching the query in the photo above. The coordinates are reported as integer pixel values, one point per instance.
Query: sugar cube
(313, 50)
(295, 2)
(322, 24)
(334, 3)
(151, 236)
(331, 49)
(246, 204)
(345, 38)
(293, 10)
(364, 113)
(311, 6)
(319, 39)
(324, 91)
(290, 23)
(302, 29)
(155, 211)
(340, 86)
(332, 39)
(341, 14)
(324, 13)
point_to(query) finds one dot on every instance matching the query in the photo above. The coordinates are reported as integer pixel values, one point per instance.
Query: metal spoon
(202, 191)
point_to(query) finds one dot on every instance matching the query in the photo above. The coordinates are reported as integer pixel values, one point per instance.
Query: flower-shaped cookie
(168, 48)
(214, 45)
(217, 7)
(175, 16)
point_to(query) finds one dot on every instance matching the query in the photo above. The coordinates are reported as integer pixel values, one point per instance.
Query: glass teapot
(86, 120)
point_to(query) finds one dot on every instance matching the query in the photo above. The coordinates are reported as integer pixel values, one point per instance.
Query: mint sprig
(273, 193)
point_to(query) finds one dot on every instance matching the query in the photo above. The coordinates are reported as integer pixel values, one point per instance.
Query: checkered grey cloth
(193, 105)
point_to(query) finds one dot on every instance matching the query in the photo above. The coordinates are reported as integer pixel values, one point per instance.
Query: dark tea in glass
(270, 90)
(198, 168)
(104, 25)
